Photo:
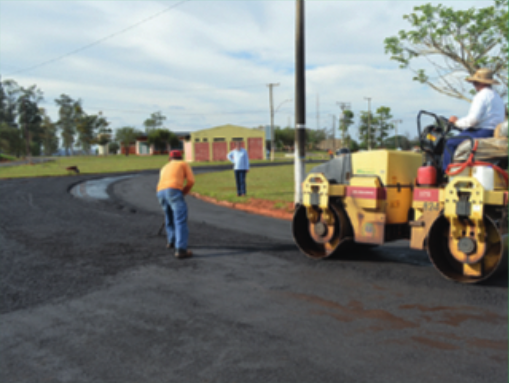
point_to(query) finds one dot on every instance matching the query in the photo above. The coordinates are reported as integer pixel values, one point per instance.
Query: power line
(97, 42)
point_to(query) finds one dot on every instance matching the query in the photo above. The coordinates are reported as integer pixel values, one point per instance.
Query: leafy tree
(9, 91)
(162, 138)
(126, 136)
(351, 144)
(11, 140)
(344, 123)
(87, 127)
(403, 142)
(49, 137)
(155, 121)
(314, 137)
(29, 118)
(113, 147)
(455, 43)
(284, 137)
(68, 113)
(367, 126)
(383, 115)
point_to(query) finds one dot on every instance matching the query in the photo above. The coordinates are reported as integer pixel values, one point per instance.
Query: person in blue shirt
(240, 160)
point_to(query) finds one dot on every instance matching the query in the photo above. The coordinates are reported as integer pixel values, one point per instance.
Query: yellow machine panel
(392, 166)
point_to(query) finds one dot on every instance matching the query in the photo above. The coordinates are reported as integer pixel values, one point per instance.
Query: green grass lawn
(6, 157)
(94, 165)
(270, 183)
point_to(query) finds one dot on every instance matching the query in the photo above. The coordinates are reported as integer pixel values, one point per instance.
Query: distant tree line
(373, 129)
(26, 128)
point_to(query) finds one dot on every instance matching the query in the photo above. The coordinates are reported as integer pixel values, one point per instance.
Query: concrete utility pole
(271, 120)
(343, 106)
(300, 102)
(369, 121)
(396, 122)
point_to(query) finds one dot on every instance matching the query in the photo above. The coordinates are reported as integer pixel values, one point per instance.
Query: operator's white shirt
(486, 111)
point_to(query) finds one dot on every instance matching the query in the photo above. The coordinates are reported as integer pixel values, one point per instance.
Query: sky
(207, 63)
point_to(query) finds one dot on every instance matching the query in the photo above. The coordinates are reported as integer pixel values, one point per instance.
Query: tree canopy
(126, 136)
(155, 121)
(162, 139)
(454, 44)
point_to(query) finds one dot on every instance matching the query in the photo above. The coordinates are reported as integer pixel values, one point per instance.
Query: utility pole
(271, 85)
(343, 106)
(396, 122)
(300, 101)
(369, 121)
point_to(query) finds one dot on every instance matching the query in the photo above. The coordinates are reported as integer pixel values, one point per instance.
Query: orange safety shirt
(173, 174)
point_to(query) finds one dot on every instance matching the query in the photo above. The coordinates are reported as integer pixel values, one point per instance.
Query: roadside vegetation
(266, 183)
(56, 166)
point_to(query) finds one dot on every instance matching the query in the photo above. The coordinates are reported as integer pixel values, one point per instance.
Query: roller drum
(321, 239)
(492, 263)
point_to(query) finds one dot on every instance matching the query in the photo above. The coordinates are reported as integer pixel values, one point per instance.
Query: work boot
(182, 253)
(170, 245)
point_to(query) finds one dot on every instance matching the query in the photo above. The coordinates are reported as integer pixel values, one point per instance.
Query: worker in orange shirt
(170, 193)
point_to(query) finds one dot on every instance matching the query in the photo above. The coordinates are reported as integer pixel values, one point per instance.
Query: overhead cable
(97, 42)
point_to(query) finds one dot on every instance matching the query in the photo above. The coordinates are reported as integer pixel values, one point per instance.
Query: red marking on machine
(365, 192)
(426, 195)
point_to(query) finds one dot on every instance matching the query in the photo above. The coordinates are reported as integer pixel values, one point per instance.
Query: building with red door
(214, 144)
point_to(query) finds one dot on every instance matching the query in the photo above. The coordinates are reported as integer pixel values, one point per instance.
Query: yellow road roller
(374, 197)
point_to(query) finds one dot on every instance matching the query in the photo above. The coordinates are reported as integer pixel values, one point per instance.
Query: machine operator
(486, 112)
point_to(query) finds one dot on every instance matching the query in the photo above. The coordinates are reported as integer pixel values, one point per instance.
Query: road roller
(372, 197)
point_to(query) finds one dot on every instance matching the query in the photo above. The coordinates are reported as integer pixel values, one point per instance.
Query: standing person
(486, 112)
(240, 160)
(170, 193)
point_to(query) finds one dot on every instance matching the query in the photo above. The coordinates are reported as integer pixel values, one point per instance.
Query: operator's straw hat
(483, 76)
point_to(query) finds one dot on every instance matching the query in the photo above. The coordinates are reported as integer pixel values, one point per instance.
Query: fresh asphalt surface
(90, 294)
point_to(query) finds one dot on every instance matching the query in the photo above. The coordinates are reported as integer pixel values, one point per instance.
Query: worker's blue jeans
(453, 143)
(240, 180)
(175, 213)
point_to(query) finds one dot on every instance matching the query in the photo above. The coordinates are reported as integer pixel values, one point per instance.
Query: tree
(87, 127)
(351, 144)
(383, 114)
(49, 137)
(113, 147)
(11, 140)
(162, 138)
(403, 142)
(153, 122)
(9, 91)
(126, 136)
(314, 137)
(29, 118)
(455, 43)
(67, 120)
(366, 130)
(344, 123)
(284, 137)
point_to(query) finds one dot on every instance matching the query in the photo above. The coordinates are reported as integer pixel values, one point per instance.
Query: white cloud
(188, 61)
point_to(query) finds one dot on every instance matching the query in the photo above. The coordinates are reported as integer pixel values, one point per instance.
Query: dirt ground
(256, 206)
(89, 293)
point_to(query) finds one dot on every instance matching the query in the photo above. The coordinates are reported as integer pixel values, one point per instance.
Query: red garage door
(255, 148)
(219, 151)
(201, 151)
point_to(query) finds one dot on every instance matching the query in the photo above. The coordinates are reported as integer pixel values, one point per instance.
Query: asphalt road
(89, 293)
